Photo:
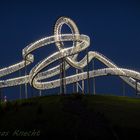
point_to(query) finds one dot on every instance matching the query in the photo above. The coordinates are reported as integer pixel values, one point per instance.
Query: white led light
(80, 43)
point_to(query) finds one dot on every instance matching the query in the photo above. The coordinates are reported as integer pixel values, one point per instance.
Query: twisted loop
(80, 43)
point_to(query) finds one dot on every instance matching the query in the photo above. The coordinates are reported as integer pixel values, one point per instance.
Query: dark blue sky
(113, 26)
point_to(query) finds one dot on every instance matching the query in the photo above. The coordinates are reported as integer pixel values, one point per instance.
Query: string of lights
(81, 42)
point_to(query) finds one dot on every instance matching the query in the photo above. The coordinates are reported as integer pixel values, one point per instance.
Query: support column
(94, 86)
(83, 86)
(26, 90)
(60, 77)
(20, 88)
(31, 91)
(64, 75)
(77, 89)
(40, 93)
(73, 87)
(88, 82)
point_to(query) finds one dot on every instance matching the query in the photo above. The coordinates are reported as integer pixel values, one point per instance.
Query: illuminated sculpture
(80, 43)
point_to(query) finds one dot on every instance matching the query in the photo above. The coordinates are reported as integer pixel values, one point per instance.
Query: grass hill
(72, 117)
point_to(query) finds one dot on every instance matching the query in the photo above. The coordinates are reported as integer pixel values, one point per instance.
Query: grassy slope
(74, 117)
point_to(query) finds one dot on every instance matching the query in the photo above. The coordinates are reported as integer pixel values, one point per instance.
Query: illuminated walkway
(80, 43)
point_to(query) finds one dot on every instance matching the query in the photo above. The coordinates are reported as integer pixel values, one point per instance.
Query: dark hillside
(72, 117)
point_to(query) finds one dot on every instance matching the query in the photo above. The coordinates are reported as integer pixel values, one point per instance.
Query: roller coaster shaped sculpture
(80, 42)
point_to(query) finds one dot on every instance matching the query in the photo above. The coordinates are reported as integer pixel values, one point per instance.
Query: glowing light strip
(80, 43)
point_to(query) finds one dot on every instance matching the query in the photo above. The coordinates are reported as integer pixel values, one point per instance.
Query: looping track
(80, 43)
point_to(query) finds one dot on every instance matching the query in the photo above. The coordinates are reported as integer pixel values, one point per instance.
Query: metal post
(88, 82)
(40, 94)
(31, 91)
(64, 73)
(26, 90)
(20, 88)
(77, 89)
(83, 83)
(94, 86)
(73, 87)
(75, 84)
(62, 77)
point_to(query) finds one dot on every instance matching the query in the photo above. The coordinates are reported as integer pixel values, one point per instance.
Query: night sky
(113, 27)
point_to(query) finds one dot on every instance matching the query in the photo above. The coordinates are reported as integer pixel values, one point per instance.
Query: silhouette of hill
(72, 117)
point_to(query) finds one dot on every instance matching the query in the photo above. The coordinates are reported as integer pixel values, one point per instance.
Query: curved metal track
(80, 43)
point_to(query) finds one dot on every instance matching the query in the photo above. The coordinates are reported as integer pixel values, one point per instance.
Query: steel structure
(80, 43)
